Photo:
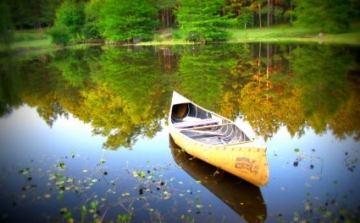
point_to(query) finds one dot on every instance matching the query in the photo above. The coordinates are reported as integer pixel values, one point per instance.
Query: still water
(83, 134)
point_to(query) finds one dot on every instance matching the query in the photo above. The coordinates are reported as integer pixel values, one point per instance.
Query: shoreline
(280, 34)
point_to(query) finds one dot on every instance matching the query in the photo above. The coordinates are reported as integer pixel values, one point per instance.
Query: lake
(84, 138)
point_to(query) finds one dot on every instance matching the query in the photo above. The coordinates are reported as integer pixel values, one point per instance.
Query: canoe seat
(197, 122)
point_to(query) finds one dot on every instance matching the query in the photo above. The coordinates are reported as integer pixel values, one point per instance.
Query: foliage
(32, 13)
(92, 14)
(91, 31)
(114, 90)
(122, 73)
(327, 15)
(6, 35)
(200, 21)
(75, 72)
(320, 83)
(72, 15)
(60, 34)
(245, 17)
(125, 22)
(202, 70)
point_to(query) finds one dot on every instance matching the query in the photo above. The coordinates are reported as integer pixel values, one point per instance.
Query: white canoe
(217, 141)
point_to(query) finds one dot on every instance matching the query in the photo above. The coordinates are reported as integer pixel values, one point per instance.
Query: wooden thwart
(202, 132)
(200, 122)
(210, 126)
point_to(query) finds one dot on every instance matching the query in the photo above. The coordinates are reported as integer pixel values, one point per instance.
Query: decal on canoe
(246, 163)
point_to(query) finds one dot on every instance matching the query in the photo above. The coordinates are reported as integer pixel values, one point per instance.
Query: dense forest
(206, 20)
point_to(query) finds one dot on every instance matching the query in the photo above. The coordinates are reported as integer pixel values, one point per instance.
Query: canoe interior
(205, 127)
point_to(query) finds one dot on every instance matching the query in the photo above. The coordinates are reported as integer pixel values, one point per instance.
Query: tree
(33, 13)
(327, 15)
(48, 11)
(324, 88)
(92, 14)
(125, 20)
(165, 8)
(245, 17)
(5, 26)
(72, 15)
(202, 70)
(60, 34)
(201, 20)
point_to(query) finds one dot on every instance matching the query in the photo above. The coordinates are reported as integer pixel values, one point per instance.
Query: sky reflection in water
(321, 174)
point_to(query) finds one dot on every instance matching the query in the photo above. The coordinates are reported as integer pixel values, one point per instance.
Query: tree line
(206, 20)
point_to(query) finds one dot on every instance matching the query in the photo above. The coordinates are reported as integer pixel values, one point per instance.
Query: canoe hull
(242, 197)
(246, 160)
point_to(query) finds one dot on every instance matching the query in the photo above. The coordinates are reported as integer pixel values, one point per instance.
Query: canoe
(216, 140)
(242, 197)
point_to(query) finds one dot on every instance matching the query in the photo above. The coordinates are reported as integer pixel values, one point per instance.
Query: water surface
(83, 134)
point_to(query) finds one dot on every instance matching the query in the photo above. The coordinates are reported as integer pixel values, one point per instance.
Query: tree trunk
(163, 18)
(291, 7)
(260, 15)
(168, 17)
(268, 64)
(269, 13)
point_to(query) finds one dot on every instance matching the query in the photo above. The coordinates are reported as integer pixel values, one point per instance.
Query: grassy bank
(37, 41)
(27, 41)
(278, 34)
(285, 33)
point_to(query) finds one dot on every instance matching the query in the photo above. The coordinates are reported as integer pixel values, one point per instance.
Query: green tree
(73, 67)
(48, 11)
(125, 20)
(201, 20)
(202, 69)
(92, 14)
(326, 15)
(120, 106)
(5, 26)
(72, 15)
(10, 83)
(245, 17)
(165, 8)
(60, 34)
(33, 13)
(324, 88)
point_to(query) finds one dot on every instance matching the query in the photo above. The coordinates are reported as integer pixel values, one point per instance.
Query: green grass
(28, 44)
(269, 33)
(29, 41)
(285, 33)
(276, 34)
(29, 35)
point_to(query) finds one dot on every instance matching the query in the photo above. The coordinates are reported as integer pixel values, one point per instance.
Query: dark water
(83, 134)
